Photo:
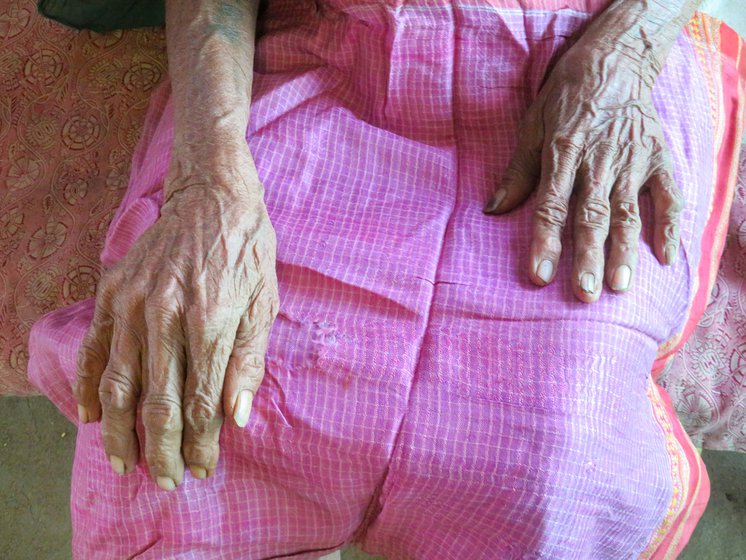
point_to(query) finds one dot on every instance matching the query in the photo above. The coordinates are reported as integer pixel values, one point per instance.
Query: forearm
(642, 30)
(210, 56)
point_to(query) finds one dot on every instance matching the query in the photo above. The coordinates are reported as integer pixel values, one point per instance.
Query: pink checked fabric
(421, 398)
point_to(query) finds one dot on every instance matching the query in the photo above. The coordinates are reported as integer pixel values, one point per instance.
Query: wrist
(609, 64)
(226, 166)
(638, 34)
(208, 143)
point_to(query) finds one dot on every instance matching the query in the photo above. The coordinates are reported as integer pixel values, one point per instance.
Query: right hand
(182, 323)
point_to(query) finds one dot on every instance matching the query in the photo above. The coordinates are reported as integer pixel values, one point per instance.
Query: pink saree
(421, 398)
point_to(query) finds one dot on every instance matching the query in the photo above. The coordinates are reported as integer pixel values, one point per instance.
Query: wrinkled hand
(593, 131)
(181, 326)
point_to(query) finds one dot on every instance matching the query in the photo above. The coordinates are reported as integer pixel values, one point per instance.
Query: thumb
(523, 172)
(245, 369)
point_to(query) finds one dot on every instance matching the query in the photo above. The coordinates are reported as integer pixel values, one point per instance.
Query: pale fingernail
(165, 483)
(493, 204)
(670, 253)
(545, 270)
(198, 472)
(622, 276)
(242, 408)
(117, 464)
(588, 283)
(82, 414)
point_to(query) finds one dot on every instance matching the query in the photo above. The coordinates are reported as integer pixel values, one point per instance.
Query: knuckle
(671, 210)
(605, 150)
(552, 212)
(626, 217)
(593, 214)
(565, 145)
(202, 414)
(117, 391)
(254, 362)
(565, 153)
(252, 369)
(671, 231)
(162, 415)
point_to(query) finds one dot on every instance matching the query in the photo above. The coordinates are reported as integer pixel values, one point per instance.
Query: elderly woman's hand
(593, 131)
(182, 323)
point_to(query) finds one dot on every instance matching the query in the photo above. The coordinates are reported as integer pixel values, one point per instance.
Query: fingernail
(198, 472)
(82, 414)
(622, 276)
(544, 271)
(670, 253)
(117, 464)
(588, 283)
(497, 199)
(242, 408)
(165, 483)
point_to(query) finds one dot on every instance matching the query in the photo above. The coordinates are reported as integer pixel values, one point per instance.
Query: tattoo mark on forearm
(228, 19)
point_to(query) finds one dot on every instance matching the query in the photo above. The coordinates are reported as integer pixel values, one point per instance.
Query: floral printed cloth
(71, 109)
(707, 380)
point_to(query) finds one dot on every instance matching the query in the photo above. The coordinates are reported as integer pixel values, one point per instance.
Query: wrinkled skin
(186, 315)
(593, 131)
(182, 322)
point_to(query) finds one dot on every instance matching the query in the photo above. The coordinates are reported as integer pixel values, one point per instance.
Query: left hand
(593, 131)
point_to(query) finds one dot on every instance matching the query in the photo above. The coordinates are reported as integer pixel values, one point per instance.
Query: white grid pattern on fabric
(410, 353)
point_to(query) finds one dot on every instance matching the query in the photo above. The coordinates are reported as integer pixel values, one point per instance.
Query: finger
(246, 365)
(93, 356)
(668, 203)
(163, 386)
(208, 350)
(560, 159)
(596, 175)
(522, 173)
(119, 393)
(624, 231)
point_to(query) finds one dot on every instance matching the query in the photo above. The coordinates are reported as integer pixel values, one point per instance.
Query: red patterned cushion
(71, 109)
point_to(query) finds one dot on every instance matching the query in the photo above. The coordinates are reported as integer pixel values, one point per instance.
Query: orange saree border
(721, 54)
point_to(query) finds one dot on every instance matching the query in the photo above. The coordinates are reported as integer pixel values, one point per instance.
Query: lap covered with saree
(421, 397)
